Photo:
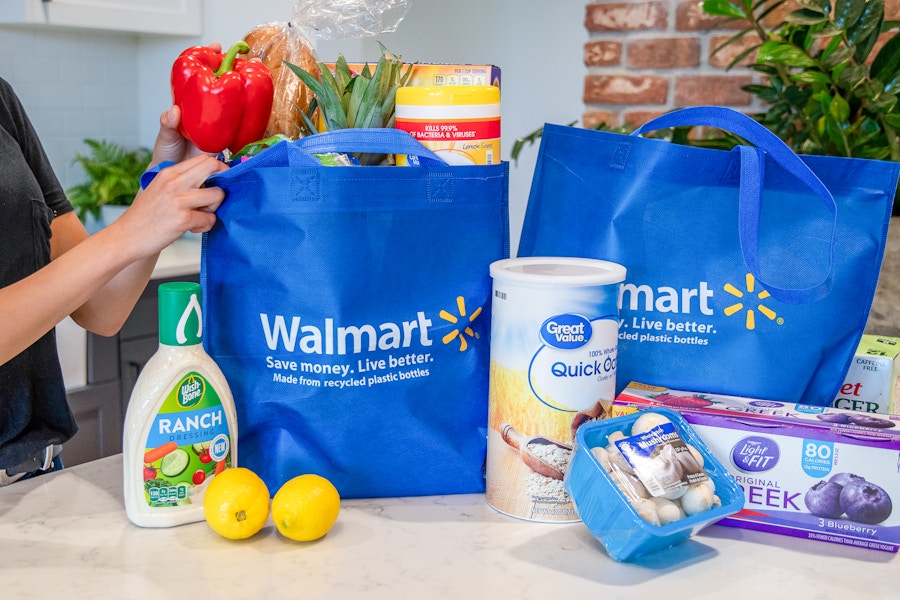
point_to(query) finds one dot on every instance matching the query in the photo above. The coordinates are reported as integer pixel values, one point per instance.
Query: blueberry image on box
(846, 493)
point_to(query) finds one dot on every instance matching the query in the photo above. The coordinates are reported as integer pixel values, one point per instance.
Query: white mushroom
(637, 486)
(689, 461)
(696, 454)
(697, 499)
(614, 437)
(647, 421)
(676, 493)
(708, 482)
(619, 462)
(647, 510)
(602, 456)
(667, 510)
(629, 485)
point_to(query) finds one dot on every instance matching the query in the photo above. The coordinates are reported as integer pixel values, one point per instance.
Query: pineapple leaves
(345, 99)
(328, 100)
(362, 100)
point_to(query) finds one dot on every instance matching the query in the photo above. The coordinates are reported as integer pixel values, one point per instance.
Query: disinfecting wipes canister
(554, 326)
(460, 123)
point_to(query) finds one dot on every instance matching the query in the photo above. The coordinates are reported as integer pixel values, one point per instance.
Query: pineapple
(355, 100)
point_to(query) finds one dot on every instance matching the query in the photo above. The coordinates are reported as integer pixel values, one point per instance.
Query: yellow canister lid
(444, 95)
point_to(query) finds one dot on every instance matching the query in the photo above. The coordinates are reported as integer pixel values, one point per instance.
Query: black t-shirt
(34, 412)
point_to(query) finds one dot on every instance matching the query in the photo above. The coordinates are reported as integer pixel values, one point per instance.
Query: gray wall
(74, 84)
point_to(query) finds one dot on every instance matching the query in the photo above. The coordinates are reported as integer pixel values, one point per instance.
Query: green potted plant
(830, 78)
(828, 91)
(113, 177)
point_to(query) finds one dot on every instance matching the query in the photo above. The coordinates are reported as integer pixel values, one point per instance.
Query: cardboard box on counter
(443, 74)
(814, 472)
(872, 381)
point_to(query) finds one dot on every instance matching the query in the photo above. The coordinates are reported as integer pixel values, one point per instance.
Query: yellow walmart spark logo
(463, 322)
(746, 296)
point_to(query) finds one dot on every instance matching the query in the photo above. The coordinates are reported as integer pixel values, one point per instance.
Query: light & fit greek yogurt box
(813, 472)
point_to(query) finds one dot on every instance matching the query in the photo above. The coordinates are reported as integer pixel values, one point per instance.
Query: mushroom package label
(661, 460)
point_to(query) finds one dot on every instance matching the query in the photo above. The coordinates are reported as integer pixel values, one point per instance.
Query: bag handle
(752, 160)
(373, 140)
(299, 153)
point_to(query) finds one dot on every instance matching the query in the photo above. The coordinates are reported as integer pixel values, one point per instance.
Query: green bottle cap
(180, 315)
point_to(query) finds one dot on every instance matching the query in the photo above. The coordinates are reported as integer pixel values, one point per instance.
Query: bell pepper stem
(228, 62)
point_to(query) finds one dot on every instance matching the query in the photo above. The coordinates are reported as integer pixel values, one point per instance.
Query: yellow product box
(433, 74)
(871, 384)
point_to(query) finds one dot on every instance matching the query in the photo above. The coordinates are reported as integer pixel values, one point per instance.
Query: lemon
(306, 507)
(236, 503)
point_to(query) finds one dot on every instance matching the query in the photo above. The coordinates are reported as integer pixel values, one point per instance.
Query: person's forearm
(109, 307)
(33, 306)
(98, 279)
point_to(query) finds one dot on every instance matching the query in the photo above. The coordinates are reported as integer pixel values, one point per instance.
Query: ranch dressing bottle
(181, 425)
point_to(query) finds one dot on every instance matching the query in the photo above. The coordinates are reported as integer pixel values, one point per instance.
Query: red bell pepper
(225, 101)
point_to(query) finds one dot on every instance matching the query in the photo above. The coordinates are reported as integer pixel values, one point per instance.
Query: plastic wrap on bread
(274, 44)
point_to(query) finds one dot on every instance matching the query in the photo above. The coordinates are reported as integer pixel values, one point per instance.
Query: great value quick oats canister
(554, 334)
(460, 123)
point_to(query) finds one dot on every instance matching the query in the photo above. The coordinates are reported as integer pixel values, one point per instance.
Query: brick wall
(645, 58)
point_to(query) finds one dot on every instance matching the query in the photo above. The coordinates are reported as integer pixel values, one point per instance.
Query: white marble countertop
(66, 535)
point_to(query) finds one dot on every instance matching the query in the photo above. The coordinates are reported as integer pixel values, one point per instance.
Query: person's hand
(170, 145)
(173, 203)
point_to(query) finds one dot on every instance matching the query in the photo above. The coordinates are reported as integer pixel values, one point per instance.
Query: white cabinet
(171, 17)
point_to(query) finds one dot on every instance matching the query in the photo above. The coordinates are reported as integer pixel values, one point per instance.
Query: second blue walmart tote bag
(750, 272)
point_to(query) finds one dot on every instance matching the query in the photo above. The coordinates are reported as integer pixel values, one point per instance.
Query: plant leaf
(847, 12)
(869, 88)
(883, 103)
(806, 16)
(342, 74)
(113, 173)
(852, 76)
(839, 109)
(811, 77)
(329, 103)
(784, 54)
(840, 55)
(358, 90)
(886, 64)
(893, 85)
(823, 6)
(723, 8)
(827, 30)
(864, 33)
(327, 78)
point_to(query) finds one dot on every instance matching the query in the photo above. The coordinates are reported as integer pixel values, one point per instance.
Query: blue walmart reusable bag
(750, 272)
(349, 310)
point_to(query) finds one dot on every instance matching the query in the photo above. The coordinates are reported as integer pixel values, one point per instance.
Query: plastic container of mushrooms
(646, 481)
